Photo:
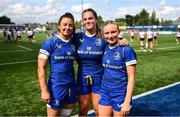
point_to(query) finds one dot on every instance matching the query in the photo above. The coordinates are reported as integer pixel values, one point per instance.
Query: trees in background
(143, 18)
(5, 20)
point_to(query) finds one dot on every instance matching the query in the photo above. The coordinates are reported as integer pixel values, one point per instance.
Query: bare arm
(131, 69)
(45, 96)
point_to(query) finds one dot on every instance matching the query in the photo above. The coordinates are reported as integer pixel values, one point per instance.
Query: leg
(104, 110)
(118, 114)
(146, 45)
(177, 40)
(52, 112)
(95, 99)
(151, 46)
(66, 110)
(84, 102)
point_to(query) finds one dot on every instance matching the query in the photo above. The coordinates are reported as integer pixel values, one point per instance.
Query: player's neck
(91, 32)
(64, 37)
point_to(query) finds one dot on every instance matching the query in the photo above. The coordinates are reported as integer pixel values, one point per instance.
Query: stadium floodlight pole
(81, 14)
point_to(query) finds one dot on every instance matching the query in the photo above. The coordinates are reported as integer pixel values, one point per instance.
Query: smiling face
(89, 20)
(111, 32)
(66, 27)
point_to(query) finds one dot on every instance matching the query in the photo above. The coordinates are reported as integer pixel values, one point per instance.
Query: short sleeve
(130, 56)
(46, 47)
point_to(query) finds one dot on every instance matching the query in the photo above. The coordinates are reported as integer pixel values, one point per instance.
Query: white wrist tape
(42, 56)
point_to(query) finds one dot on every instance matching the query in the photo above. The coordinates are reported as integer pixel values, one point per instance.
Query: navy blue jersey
(61, 55)
(90, 51)
(115, 61)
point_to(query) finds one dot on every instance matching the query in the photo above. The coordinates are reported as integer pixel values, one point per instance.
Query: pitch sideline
(143, 94)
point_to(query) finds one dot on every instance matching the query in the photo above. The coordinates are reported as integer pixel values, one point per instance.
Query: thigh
(117, 113)
(104, 110)
(53, 112)
(95, 99)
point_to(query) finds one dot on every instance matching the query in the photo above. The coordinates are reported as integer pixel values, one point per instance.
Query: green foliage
(5, 20)
(100, 21)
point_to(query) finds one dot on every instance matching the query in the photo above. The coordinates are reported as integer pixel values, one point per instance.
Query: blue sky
(41, 11)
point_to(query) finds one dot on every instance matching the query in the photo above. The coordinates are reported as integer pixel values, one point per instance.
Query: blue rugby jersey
(115, 61)
(90, 51)
(61, 55)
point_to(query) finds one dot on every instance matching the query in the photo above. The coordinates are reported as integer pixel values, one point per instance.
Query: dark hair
(68, 15)
(98, 30)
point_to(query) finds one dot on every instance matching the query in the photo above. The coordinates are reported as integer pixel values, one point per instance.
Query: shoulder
(79, 34)
(50, 40)
(126, 48)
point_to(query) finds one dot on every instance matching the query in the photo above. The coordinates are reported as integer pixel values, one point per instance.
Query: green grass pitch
(20, 92)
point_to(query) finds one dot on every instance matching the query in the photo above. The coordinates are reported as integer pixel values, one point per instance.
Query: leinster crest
(73, 47)
(116, 55)
(98, 42)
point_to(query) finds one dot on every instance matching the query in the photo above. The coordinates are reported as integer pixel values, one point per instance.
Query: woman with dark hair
(60, 92)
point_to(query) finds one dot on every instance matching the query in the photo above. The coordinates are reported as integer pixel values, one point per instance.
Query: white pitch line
(161, 48)
(155, 90)
(143, 94)
(18, 51)
(24, 47)
(11, 63)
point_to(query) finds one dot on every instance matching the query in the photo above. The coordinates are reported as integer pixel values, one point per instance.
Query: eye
(106, 33)
(84, 19)
(90, 18)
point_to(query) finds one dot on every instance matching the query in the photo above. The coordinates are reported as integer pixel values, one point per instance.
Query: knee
(66, 112)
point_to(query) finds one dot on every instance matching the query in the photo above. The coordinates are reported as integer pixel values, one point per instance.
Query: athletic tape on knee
(66, 112)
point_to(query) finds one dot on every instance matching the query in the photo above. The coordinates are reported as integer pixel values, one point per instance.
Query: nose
(110, 35)
(67, 26)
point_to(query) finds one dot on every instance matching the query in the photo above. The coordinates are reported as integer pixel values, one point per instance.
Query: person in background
(131, 37)
(5, 34)
(120, 35)
(141, 39)
(59, 51)
(155, 34)
(30, 35)
(90, 49)
(178, 37)
(119, 75)
(18, 36)
(149, 41)
(9, 37)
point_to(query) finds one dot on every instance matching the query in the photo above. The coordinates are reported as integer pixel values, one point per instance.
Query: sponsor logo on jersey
(112, 66)
(68, 53)
(119, 105)
(116, 55)
(88, 48)
(56, 102)
(58, 46)
(81, 40)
